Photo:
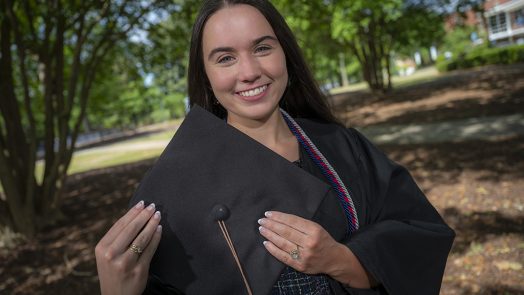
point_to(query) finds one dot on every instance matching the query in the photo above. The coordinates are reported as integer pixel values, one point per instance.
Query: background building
(505, 21)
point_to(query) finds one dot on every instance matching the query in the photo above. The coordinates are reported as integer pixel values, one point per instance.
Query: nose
(249, 69)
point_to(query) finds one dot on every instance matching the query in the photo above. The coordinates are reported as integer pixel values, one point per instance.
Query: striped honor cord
(327, 170)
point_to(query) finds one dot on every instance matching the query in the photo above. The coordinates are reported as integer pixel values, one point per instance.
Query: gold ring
(136, 249)
(295, 254)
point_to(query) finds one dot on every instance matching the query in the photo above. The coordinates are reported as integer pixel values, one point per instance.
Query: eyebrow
(230, 49)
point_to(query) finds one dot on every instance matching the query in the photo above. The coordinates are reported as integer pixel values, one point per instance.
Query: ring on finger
(136, 249)
(295, 254)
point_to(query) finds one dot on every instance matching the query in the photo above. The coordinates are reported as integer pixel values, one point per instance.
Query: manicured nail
(139, 205)
(261, 229)
(268, 213)
(157, 215)
(151, 207)
(265, 243)
(159, 228)
(261, 221)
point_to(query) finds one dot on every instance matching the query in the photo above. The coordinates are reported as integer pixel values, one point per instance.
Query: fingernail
(159, 228)
(157, 215)
(139, 205)
(268, 213)
(261, 229)
(265, 243)
(151, 207)
(261, 221)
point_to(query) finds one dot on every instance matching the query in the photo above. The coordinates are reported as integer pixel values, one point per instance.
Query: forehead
(233, 26)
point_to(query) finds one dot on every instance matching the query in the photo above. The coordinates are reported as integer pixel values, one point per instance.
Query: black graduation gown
(402, 241)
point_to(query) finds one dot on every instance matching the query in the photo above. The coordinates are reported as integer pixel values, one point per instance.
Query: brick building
(505, 19)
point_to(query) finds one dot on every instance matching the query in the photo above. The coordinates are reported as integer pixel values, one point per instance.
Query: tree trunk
(27, 205)
(342, 69)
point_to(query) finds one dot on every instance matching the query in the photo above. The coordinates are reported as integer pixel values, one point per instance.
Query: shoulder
(321, 132)
(335, 139)
(317, 127)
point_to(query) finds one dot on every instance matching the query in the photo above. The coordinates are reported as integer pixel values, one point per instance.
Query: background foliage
(70, 68)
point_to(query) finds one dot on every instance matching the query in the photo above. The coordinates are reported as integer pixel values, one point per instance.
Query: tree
(478, 7)
(418, 27)
(51, 53)
(165, 57)
(372, 30)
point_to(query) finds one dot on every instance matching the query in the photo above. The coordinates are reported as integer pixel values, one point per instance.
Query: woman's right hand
(122, 270)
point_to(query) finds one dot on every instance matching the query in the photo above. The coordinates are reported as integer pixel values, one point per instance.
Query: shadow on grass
(507, 80)
(465, 108)
(479, 227)
(489, 289)
(492, 160)
(60, 260)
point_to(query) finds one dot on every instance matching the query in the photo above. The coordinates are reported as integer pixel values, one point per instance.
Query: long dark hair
(302, 98)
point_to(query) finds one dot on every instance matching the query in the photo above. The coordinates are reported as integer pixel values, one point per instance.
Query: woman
(245, 66)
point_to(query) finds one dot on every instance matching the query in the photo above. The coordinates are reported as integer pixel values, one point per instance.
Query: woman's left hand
(300, 243)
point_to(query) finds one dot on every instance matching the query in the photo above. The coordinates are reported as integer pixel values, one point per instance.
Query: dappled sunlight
(65, 252)
(491, 128)
(490, 91)
(384, 111)
(489, 264)
(477, 188)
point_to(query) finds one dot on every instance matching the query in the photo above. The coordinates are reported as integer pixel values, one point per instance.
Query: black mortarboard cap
(211, 171)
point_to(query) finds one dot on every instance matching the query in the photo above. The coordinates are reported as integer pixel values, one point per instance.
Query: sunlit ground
(421, 75)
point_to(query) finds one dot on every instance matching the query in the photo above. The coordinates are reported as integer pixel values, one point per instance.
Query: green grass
(115, 154)
(163, 135)
(420, 76)
(112, 155)
(118, 153)
(92, 161)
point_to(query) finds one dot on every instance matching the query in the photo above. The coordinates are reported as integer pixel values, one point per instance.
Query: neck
(268, 131)
(272, 132)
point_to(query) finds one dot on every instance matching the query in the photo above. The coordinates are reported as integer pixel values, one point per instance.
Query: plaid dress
(292, 282)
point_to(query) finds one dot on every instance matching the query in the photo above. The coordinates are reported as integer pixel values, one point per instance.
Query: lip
(256, 97)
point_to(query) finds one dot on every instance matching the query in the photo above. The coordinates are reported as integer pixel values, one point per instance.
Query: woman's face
(244, 63)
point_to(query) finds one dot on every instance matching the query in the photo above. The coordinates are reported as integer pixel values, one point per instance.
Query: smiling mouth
(253, 92)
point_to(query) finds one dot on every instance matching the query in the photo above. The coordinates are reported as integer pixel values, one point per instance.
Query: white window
(497, 23)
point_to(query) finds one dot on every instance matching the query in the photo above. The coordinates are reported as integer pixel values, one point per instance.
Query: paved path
(488, 128)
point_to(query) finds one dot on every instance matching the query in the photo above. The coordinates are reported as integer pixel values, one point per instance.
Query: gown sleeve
(403, 242)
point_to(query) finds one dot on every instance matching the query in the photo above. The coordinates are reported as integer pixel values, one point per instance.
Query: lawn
(420, 76)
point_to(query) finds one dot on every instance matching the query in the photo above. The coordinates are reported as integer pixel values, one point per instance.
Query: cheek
(278, 68)
(221, 81)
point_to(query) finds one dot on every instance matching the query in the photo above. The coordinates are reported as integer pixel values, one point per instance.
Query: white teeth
(253, 92)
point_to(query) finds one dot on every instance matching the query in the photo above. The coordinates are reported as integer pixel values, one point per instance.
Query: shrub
(481, 56)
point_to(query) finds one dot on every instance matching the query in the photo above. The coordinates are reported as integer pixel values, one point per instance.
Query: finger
(117, 228)
(297, 222)
(131, 230)
(279, 241)
(281, 255)
(144, 237)
(149, 251)
(286, 231)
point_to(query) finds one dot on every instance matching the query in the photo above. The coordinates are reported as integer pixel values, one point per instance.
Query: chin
(258, 113)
